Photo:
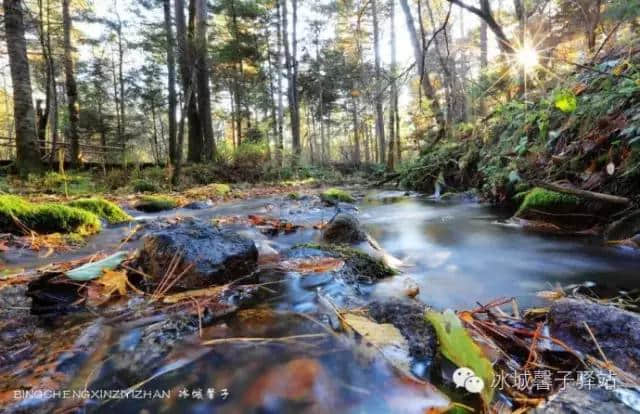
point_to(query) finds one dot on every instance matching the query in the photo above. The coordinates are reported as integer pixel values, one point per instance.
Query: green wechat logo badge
(467, 379)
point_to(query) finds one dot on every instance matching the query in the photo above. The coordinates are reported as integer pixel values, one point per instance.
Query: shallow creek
(459, 254)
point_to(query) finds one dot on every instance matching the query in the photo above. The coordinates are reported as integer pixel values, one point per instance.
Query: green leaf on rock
(93, 270)
(458, 347)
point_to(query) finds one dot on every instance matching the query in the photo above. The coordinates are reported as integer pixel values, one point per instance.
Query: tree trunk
(356, 134)
(394, 92)
(239, 73)
(171, 68)
(378, 88)
(195, 127)
(272, 98)
(292, 89)
(28, 152)
(72, 90)
(43, 114)
(53, 106)
(123, 120)
(156, 147)
(204, 93)
(427, 87)
(116, 99)
(280, 139)
(185, 75)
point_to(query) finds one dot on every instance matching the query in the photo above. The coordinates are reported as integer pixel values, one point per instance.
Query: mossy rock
(103, 209)
(547, 201)
(335, 195)
(46, 217)
(154, 204)
(362, 265)
(293, 196)
(221, 190)
(144, 186)
(215, 190)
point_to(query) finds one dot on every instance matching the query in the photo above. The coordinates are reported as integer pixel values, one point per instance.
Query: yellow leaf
(113, 281)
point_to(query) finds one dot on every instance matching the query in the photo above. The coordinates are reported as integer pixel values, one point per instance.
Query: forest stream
(451, 255)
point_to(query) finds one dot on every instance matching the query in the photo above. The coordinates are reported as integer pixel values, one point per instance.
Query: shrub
(103, 209)
(46, 217)
(72, 183)
(144, 186)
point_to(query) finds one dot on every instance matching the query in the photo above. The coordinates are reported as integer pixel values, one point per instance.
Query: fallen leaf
(385, 338)
(114, 281)
(313, 265)
(458, 347)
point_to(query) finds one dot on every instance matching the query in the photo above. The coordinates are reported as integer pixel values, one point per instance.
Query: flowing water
(458, 254)
(467, 253)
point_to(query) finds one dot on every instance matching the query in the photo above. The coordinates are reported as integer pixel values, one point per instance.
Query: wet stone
(580, 401)
(209, 256)
(408, 317)
(315, 280)
(199, 205)
(617, 331)
(344, 228)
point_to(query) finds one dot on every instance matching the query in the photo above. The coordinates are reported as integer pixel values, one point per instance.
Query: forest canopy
(281, 83)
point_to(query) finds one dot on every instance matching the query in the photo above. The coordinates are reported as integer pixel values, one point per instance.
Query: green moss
(293, 196)
(359, 261)
(103, 209)
(144, 186)
(541, 199)
(221, 189)
(152, 204)
(45, 217)
(335, 195)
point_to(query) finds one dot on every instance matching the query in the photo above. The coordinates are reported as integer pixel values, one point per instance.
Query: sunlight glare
(527, 57)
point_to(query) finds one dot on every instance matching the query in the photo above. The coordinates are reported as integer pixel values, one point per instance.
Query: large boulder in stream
(617, 331)
(208, 255)
(343, 228)
(579, 401)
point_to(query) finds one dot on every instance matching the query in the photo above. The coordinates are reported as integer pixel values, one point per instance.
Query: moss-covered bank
(17, 213)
